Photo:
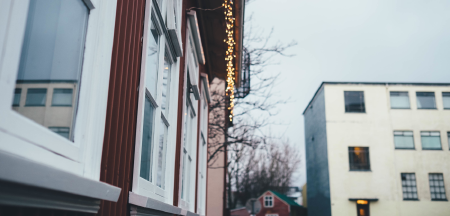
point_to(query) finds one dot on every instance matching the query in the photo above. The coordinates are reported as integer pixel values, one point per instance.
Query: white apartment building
(378, 149)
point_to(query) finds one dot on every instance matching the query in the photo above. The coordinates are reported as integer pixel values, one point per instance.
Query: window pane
(183, 177)
(446, 99)
(36, 97)
(62, 97)
(425, 100)
(146, 154)
(437, 187)
(16, 98)
(165, 87)
(359, 158)
(151, 67)
(431, 143)
(448, 139)
(399, 100)
(52, 56)
(409, 186)
(161, 155)
(403, 140)
(63, 131)
(354, 101)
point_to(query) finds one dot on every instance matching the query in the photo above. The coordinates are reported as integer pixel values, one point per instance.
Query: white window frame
(271, 214)
(192, 71)
(271, 200)
(140, 185)
(34, 141)
(203, 143)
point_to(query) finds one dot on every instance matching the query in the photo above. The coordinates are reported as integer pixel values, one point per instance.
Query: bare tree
(244, 136)
(259, 170)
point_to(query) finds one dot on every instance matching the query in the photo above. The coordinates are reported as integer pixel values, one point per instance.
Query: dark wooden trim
(178, 146)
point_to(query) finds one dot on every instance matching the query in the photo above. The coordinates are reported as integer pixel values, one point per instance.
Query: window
(404, 139)
(16, 98)
(271, 214)
(146, 152)
(52, 43)
(52, 61)
(446, 99)
(437, 188)
(62, 97)
(62, 131)
(354, 101)
(156, 127)
(409, 186)
(359, 158)
(431, 140)
(399, 100)
(188, 140)
(36, 97)
(425, 100)
(268, 201)
(448, 139)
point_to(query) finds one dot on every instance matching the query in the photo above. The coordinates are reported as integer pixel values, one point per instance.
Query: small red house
(274, 204)
(277, 204)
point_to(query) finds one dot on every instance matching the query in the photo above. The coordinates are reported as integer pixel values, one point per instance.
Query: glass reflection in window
(165, 87)
(151, 67)
(51, 57)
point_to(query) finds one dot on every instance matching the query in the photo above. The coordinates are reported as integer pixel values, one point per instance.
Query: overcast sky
(392, 41)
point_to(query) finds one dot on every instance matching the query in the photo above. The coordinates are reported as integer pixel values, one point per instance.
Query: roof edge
(371, 83)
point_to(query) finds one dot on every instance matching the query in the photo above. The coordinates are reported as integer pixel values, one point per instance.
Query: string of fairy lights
(229, 21)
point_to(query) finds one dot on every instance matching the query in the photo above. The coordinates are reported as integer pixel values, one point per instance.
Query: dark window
(399, 100)
(409, 186)
(146, 153)
(437, 187)
(446, 99)
(354, 101)
(404, 139)
(431, 140)
(448, 139)
(16, 99)
(36, 97)
(425, 100)
(62, 97)
(359, 158)
(63, 131)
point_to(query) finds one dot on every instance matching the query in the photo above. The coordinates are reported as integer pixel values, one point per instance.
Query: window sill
(360, 170)
(27, 105)
(409, 108)
(426, 108)
(355, 112)
(405, 148)
(149, 204)
(30, 184)
(433, 149)
(440, 200)
(61, 105)
(411, 200)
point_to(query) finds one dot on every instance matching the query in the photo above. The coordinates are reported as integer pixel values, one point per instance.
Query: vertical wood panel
(118, 147)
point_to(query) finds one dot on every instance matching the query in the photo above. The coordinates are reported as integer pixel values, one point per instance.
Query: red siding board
(118, 149)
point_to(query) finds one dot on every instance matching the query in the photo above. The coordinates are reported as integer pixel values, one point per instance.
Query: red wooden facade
(122, 109)
(120, 127)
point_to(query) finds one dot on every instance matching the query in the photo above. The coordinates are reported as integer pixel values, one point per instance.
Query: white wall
(374, 129)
